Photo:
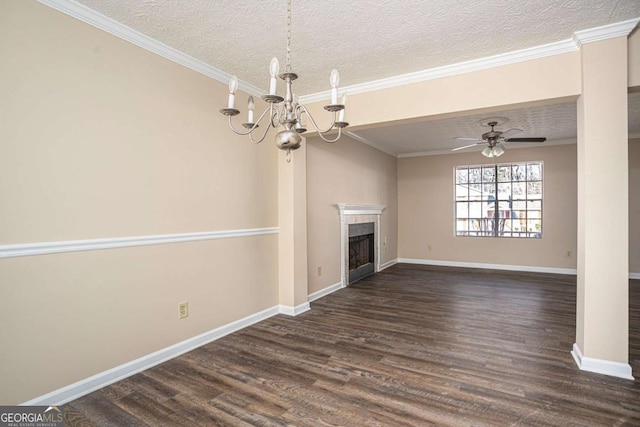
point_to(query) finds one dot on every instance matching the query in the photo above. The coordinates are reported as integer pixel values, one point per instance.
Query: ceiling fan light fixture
(495, 151)
(494, 138)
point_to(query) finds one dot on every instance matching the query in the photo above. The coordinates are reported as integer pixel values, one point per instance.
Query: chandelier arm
(264, 134)
(239, 132)
(255, 125)
(320, 134)
(315, 125)
(276, 115)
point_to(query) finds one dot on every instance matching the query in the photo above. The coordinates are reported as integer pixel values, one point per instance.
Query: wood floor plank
(411, 346)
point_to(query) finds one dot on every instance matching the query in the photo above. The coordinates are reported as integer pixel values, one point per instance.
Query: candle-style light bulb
(343, 101)
(233, 87)
(274, 67)
(334, 79)
(250, 106)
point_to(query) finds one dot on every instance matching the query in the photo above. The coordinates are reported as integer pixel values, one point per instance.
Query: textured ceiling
(555, 122)
(558, 123)
(365, 39)
(368, 40)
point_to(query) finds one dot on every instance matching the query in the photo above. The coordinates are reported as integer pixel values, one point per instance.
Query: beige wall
(551, 79)
(345, 172)
(425, 206)
(634, 206)
(98, 139)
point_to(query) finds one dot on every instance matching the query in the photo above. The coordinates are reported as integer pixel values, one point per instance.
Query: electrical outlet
(569, 254)
(183, 310)
(319, 271)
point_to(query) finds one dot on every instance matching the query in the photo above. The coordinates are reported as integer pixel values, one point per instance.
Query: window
(502, 200)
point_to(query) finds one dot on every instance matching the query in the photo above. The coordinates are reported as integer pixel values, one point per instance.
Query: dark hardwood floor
(411, 346)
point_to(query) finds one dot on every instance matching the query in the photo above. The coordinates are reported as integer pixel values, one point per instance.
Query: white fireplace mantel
(350, 209)
(357, 214)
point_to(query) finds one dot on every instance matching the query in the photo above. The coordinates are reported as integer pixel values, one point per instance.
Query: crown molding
(369, 143)
(550, 49)
(617, 29)
(111, 26)
(115, 28)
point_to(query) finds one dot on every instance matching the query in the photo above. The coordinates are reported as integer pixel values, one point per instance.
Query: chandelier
(286, 111)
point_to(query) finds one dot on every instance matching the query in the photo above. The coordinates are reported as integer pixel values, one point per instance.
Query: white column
(602, 311)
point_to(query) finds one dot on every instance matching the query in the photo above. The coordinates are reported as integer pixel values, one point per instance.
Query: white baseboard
(103, 379)
(600, 366)
(634, 276)
(388, 264)
(294, 311)
(528, 268)
(324, 292)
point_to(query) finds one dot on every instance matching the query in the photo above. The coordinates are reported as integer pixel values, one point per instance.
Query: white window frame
(519, 216)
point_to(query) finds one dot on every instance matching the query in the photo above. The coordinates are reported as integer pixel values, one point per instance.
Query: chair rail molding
(27, 249)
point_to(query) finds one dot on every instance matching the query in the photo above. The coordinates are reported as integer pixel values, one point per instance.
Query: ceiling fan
(494, 139)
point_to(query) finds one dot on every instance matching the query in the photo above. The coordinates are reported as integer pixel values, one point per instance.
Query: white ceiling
(368, 40)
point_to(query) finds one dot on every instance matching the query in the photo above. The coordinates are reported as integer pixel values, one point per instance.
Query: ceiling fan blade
(532, 139)
(468, 139)
(509, 132)
(466, 146)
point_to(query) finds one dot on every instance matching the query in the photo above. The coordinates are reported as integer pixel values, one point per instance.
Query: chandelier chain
(288, 65)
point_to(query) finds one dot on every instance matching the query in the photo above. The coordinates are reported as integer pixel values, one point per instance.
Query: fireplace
(361, 251)
(359, 245)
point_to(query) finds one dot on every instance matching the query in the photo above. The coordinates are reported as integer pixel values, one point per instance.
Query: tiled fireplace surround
(357, 214)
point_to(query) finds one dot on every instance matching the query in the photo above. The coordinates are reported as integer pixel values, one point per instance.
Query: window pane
(534, 172)
(534, 225)
(462, 192)
(462, 175)
(518, 172)
(475, 175)
(508, 226)
(519, 205)
(488, 210)
(518, 190)
(534, 205)
(488, 174)
(534, 190)
(475, 191)
(519, 214)
(504, 173)
(488, 191)
(504, 190)
(475, 210)
(462, 210)
(461, 225)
